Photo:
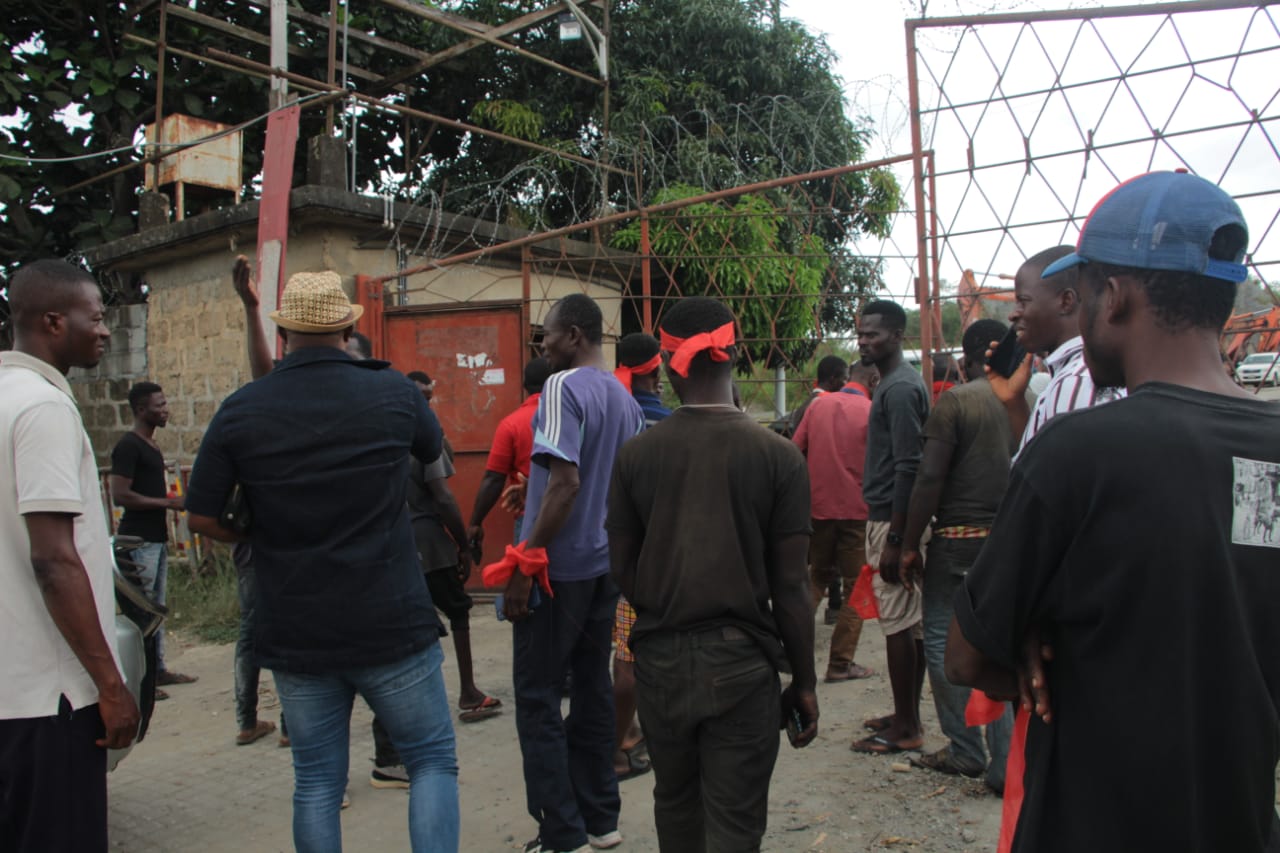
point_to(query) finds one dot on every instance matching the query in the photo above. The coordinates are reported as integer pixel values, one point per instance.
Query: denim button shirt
(321, 447)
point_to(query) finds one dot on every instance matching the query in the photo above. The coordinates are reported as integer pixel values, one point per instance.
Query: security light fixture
(570, 28)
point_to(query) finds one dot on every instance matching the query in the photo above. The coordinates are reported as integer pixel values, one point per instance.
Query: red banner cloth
(982, 710)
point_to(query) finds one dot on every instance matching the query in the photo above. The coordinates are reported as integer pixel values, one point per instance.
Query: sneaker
(535, 846)
(608, 841)
(393, 776)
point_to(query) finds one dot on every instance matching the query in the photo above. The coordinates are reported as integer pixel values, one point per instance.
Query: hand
(475, 542)
(177, 504)
(245, 286)
(119, 716)
(464, 565)
(890, 564)
(912, 567)
(513, 495)
(805, 703)
(1013, 388)
(1033, 679)
(515, 604)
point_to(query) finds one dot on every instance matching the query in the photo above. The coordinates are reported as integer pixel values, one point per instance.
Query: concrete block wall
(103, 391)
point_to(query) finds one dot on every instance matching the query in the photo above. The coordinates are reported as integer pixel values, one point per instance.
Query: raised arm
(260, 362)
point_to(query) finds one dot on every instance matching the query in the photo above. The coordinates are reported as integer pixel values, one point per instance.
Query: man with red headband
(708, 536)
(583, 417)
(639, 366)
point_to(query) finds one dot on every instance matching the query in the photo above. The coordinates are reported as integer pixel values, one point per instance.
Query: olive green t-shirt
(970, 417)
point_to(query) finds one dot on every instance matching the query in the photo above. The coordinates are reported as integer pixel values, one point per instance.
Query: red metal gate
(475, 355)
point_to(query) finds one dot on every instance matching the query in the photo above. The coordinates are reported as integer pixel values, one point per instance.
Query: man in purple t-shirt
(583, 418)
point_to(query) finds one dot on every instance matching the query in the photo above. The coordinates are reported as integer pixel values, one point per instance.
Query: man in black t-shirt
(139, 485)
(719, 583)
(1116, 551)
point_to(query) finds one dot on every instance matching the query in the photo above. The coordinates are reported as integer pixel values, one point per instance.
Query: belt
(962, 531)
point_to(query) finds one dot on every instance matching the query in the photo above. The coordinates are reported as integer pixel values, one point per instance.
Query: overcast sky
(869, 38)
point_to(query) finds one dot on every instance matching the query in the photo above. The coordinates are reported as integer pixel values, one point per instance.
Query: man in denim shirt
(320, 447)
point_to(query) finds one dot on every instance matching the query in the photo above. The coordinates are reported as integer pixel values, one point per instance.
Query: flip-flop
(880, 745)
(943, 761)
(852, 672)
(636, 766)
(261, 730)
(878, 724)
(482, 710)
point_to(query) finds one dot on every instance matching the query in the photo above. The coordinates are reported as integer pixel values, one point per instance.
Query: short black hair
(1068, 279)
(536, 373)
(419, 376)
(1180, 300)
(141, 392)
(578, 309)
(363, 344)
(832, 365)
(636, 348)
(978, 337)
(895, 318)
(43, 286)
(694, 315)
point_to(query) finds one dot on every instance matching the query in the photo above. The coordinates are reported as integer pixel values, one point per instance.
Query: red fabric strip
(530, 561)
(626, 373)
(1013, 779)
(684, 349)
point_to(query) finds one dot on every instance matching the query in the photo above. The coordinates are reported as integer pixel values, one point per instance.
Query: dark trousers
(53, 783)
(569, 779)
(709, 706)
(246, 662)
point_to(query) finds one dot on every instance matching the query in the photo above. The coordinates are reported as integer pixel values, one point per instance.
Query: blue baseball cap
(1160, 221)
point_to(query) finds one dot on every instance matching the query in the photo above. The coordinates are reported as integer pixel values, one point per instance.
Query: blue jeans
(569, 781)
(409, 698)
(945, 566)
(152, 560)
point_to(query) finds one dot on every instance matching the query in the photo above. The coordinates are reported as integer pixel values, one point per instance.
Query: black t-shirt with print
(1129, 534)
(142, 464)
(708, 491)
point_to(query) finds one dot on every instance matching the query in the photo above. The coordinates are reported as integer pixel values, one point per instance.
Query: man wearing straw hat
(320, 449)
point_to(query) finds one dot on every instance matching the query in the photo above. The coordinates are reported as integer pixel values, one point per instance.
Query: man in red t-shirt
(508, 462)
(833, 438)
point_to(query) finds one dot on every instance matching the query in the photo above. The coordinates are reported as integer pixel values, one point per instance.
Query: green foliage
(205, 603)
(737, 251)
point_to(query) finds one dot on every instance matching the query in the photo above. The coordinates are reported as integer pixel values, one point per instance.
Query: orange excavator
(1253, 331)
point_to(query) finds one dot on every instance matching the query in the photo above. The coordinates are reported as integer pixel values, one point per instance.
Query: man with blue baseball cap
(1117, 571)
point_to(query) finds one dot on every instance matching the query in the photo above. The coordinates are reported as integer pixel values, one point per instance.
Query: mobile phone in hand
(1008, 354)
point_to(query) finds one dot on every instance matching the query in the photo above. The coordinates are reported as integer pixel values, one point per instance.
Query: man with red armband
(583, 417)
(708, 538)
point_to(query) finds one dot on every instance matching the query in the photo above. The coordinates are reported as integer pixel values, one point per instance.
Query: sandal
(636, 766)
(850, 672)
(261, 730)
(944, 762)
(881, 745)
(482, 710)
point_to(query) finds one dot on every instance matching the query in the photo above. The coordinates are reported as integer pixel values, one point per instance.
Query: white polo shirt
(46, 465)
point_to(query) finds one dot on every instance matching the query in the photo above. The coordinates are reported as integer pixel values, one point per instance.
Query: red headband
(714, 343)
(626, 373)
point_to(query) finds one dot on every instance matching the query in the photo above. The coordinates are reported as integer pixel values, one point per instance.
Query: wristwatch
(894, 539)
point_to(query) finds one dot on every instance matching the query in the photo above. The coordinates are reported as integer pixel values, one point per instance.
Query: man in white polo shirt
(63, 701)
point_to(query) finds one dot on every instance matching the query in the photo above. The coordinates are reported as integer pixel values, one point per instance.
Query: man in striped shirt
(1047, 319)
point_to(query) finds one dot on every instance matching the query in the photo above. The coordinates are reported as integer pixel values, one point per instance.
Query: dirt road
(188, 787)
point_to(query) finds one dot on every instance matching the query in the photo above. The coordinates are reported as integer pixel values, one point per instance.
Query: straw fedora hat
(314, 302)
